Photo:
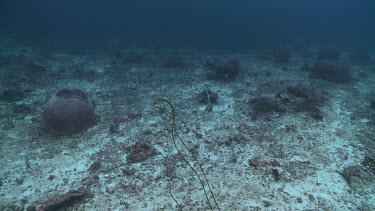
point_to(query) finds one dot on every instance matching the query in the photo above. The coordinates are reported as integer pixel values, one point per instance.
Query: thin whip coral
(162, 104)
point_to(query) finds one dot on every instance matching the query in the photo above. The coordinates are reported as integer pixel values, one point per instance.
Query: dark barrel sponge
(68, 111)
(331, 71)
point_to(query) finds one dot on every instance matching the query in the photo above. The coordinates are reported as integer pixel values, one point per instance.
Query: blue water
(206, 24)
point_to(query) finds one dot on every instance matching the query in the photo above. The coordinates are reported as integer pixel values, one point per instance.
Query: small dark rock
(12, 95)
(31, 208)
(224, 70)
(257, 162)
(21, 109)
(133, 116)
(276, 175)
(297, 98)
(299, 91)
(357, 177)
(198, 135)
(19, 181)
(128, 171)
(268, 74)
(147, 132)
(140, 152)
(316, 115)
(95, 166)
(35, 70)
(266, 103)
(267, 204)
(83, 74)
(299, 200)
(114, 128)
(63, 202)
(369, 164)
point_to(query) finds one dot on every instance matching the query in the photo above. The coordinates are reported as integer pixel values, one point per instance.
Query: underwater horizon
(98, 25)
(187, 105)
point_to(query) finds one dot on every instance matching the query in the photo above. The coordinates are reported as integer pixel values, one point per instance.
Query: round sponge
(68, 111)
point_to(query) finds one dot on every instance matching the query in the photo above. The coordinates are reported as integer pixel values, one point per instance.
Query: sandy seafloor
(308, 155)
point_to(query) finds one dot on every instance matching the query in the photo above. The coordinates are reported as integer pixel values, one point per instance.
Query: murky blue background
(102, 24)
